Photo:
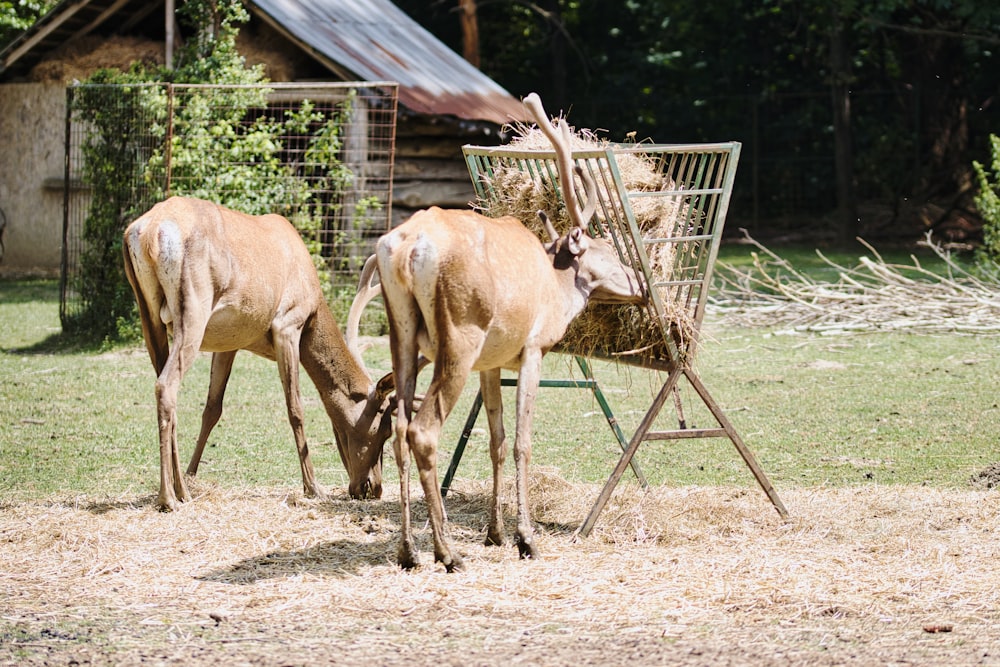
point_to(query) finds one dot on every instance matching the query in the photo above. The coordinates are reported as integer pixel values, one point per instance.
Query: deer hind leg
(404, 319)
(489, 384)
(168, 382)
(406, 554)
(222, 366)
(286, 347)
(450, 372)
(527, 388)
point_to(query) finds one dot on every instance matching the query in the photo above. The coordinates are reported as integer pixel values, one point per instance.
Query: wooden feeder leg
(616, 429)
(626, 457)
(744, 451)
(681, 422)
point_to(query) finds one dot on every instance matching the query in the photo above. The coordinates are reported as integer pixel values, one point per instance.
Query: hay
(78, 59)
(602, 330)
(684, 576)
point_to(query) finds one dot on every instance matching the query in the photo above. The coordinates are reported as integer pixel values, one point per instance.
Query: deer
(220, 281)
(473, 293)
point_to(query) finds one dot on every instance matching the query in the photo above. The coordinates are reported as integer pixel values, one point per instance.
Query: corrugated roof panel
(376, 40)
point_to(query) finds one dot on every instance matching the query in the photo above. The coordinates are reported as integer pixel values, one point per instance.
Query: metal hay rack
(668, 228)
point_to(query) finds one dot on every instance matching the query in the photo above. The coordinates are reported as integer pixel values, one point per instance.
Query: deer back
(463, 270)
(248, 273)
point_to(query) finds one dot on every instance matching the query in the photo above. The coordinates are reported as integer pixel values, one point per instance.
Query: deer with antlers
(472, 293)
(221, 281)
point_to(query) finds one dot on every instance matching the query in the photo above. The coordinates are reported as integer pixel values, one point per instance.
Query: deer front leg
(222, 366)
(489, 385)
(286, 354)
(527, 387)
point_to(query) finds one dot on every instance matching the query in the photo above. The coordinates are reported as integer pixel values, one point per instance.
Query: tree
(15, 17)
(838, 102)
(222, 145)
(470, 31)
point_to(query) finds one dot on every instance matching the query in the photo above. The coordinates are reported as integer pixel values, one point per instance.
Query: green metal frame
(698, 182)
(589, 383)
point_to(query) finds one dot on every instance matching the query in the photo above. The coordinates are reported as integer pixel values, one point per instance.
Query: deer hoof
(167, 504)
(407, 557)
(315, 492)
(454, 564)
(527, 549)
(495, 539)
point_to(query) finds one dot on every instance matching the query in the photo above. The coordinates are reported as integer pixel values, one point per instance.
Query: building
(444, 102)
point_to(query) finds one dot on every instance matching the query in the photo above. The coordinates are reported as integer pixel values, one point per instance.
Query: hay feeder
(664, 208)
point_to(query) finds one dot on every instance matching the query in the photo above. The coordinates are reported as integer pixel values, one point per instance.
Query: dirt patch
(988, 478)
(680, 576)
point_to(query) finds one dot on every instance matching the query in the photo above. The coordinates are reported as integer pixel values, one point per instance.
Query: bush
(988, 202)
(222, 145)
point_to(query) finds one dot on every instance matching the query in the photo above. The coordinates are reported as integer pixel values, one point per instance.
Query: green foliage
(988, 202)
(760, 73)
(114, 161)
(217, 142)
(20, 15)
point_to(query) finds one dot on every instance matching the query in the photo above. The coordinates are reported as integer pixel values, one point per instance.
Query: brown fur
(221, 281)
(472, 293)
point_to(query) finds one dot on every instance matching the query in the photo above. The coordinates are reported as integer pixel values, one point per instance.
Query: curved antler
(368, 289)
(562, 143)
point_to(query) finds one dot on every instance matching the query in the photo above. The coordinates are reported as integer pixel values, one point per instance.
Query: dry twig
(873, 296)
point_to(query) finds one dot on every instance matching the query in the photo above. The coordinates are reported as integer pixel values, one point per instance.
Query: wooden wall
(430, 169)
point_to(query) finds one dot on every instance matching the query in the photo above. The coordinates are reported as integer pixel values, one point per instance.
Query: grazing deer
(222, 281)
(472, 293)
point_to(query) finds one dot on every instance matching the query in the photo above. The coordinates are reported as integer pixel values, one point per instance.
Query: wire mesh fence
(322, 155)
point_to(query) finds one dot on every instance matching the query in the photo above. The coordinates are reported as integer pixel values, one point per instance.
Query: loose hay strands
(874, 296)
(696, 564)
(521, 190)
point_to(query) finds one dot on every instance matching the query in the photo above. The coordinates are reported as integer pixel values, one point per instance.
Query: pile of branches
(873, 296)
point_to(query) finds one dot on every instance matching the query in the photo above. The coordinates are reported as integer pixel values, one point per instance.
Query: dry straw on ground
(685, 576)
(873, 296)
(605, 330)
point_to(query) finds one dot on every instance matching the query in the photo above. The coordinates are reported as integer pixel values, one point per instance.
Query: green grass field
(864, 409)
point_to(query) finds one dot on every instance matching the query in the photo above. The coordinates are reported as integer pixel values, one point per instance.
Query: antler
(368, 289)
(562, 143)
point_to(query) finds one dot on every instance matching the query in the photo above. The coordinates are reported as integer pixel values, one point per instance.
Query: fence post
(64, 255)
(167, 156)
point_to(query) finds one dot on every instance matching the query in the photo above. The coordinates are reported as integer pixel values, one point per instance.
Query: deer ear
(385, 386)
(577, 241)
(549, 227)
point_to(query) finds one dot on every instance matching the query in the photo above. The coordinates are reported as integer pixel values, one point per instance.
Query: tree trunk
(470, 31)
(557, 58)
(847, 205)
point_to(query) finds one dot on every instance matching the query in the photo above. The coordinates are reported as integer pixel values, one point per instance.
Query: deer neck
(339, 378)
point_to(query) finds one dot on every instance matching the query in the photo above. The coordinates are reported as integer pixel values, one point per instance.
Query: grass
(870, 409)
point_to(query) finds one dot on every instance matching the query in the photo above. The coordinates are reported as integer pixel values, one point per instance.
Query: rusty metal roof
(375, 40)
(356, 39)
